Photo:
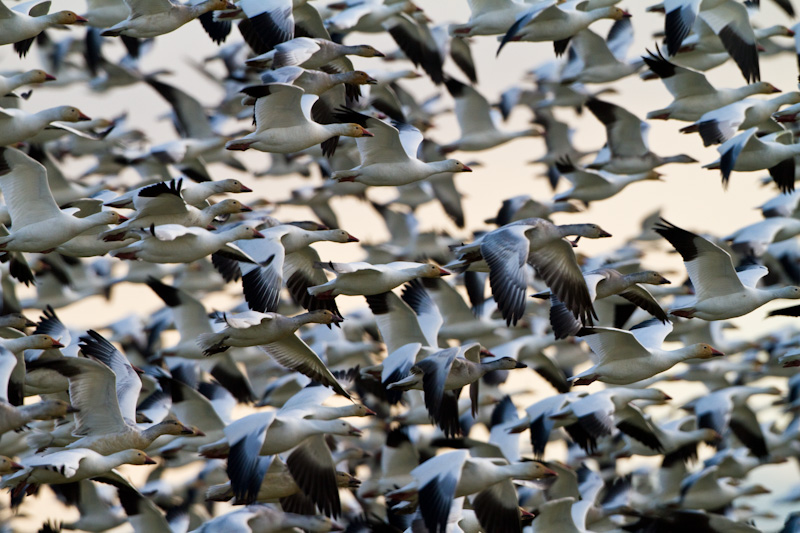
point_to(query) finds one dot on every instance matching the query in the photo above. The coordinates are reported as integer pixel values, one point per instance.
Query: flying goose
(284, 124)
(623, 357)
(721, 292)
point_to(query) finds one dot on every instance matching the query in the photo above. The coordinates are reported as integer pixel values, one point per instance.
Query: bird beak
(716, 352)
(57, 344)
(82, 117)
(246, 189)
(550, 473)
(337, 319)
(466, 169)
(122, 218)
(258, 235)
(379, 54)
(443, 272)
(604, 234)
(49, 77)
(355, 432)
(367, 133)
(626, 14)
(246, 209)
(521, 365)
(29, 323)
(664, 281)
(79, 18)
(350, 238)
(193, 431)
(667, 397)
(371, 80)
(15, 466)
(149, 460)
(370, 412)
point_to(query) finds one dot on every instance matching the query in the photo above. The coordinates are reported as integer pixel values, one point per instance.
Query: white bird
(623, 357)
(558, 22)
(693, 95)
(284, 124)
(275, 334)
(310, 53)
(38, 225)
(627, 141)
(721, 292)
(389, 155)
(151, 18)
(542, 244)
(21, 28)
(9, 83)
(720, 125)
(747, 152)
(361, 278)
(478, 129)
(173, 243)
(17, 125)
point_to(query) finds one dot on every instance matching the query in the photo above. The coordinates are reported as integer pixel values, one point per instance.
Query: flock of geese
(277, 410)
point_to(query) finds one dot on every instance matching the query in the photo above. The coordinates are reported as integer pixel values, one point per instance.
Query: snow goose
(454, 474)
(162, 204)
(89, 243)
(727, 409)
(557, 22)
(606, 282)
(693, 96)
(309, 53)
(389, 156)
(367, 17)
(592, 186)
(283, 122)
(361, 278)
(13, 418)
(275, 334)
(285, 252)
(721, 124)
(276, 483)
(283, 432)
(191, 320)
(8, 84)
(12, 389)
(627, 141)
(68, 466)
(38, 224)
(720, 291)
(451, 370)
(194, 194)
(542, 244)
(151, 18)
(17, 125)
(107, 376)
(478, 130)
(598, 414)
(679, 440)
(21, 28)
(727, 18)
(747, 152)
(754, 239)
(706, 490)
(173, 243)
(490, 18)
(266, 519)
(592, 59)
(622, 357)
(310, 467)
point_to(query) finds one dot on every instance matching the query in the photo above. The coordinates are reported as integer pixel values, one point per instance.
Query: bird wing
(128, 383)
(277, 106)
(679, 81)
(710, 267)
(295, 354)
(25, 188)
(626, 133)
(472, 109)
(141, 8)
(611, 344)
(506, 252)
